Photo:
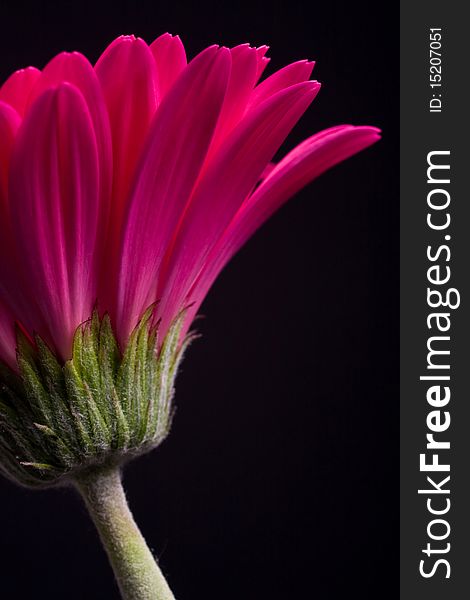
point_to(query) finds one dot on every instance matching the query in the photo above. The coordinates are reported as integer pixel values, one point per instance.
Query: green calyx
(98, 409)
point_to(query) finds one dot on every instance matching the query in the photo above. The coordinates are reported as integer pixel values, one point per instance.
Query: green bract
(98, 409)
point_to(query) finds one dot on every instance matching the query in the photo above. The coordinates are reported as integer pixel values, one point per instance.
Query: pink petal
(228, 180)
(268, 170)
(262, 60)
(303, 164)
(7, 338)
(17, 88)
(243, 77)
(170, 59)
(286, 77)
(54, 201)
(306, 162)
(177, 146)
(11, 289)
(74, 68)
(127, 73)
(9, 123)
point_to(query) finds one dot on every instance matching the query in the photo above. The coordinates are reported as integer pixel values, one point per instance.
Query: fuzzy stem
(135, 568)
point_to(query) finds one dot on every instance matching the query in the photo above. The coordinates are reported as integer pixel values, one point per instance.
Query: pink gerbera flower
(125, 188)
(138, 179)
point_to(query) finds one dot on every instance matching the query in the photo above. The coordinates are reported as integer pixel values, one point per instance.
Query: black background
(280, 477)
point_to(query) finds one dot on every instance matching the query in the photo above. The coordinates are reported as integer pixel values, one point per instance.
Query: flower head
(127, 185)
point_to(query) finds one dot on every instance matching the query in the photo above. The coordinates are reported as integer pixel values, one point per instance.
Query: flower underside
(100, 408)
(132, 180)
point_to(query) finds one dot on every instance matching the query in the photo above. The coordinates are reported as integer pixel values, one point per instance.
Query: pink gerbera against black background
(294, 321)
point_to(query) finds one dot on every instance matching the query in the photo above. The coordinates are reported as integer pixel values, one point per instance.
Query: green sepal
(99, 408)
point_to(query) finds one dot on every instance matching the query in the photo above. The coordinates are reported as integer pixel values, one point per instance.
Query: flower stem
(136, 571)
